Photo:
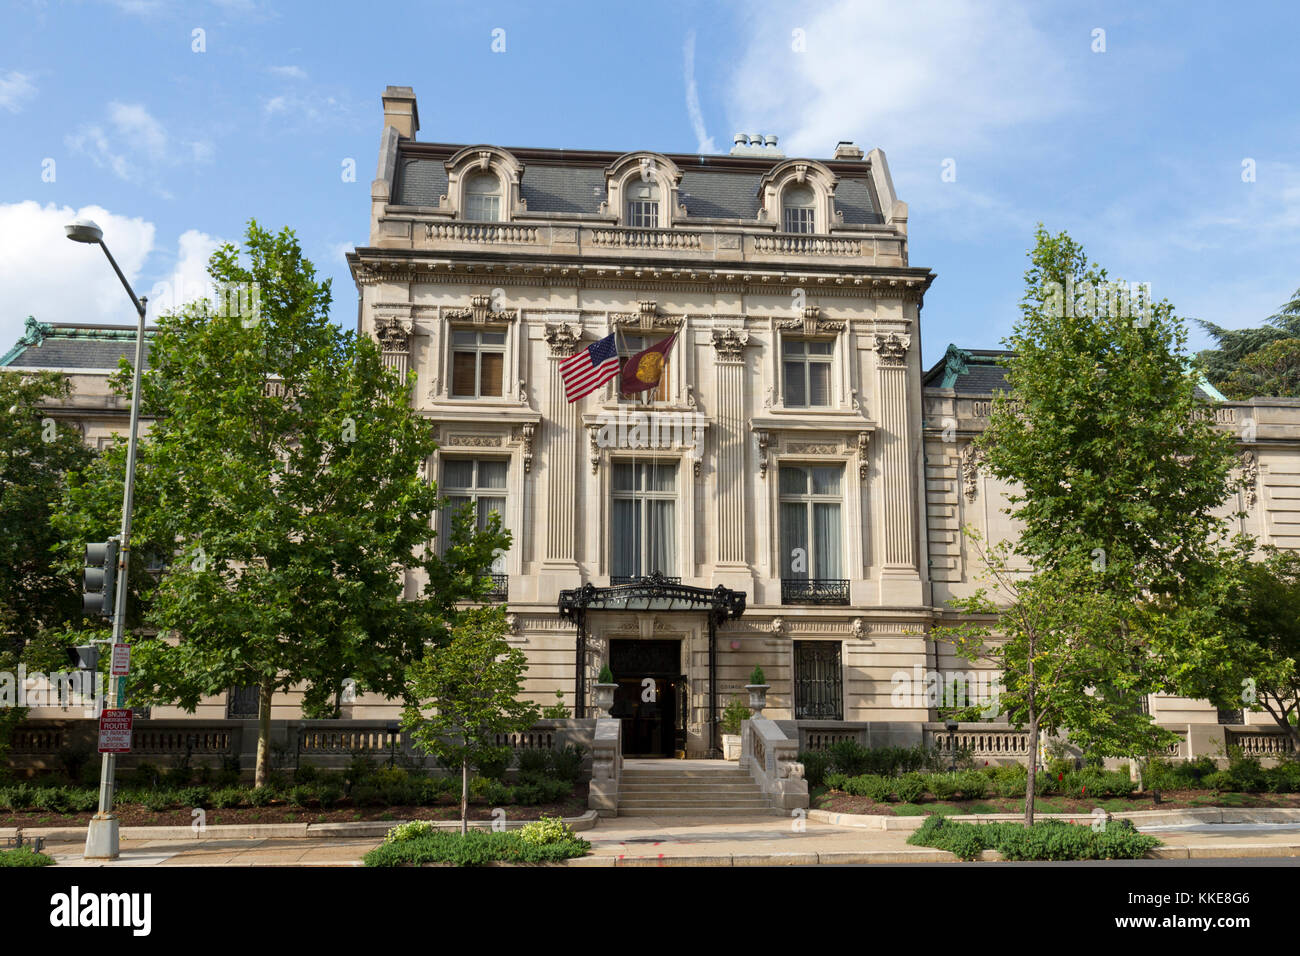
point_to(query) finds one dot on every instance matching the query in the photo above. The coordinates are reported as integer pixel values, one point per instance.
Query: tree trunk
(464, 796)
(1033, 771)
(262, 773)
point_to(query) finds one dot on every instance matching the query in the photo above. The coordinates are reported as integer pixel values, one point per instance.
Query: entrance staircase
(689, 788)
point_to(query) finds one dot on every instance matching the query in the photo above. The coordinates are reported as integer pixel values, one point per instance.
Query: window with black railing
(818, 681)
(500, 588)
(814, 590)
(616, 579)
(811, 539)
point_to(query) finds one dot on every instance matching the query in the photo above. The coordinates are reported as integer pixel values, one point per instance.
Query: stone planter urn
(757, 697)
(731, 746)
(604, 697)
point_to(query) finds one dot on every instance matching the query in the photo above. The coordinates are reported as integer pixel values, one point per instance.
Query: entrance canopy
(652, 593)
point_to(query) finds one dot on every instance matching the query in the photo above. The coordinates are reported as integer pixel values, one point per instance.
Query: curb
(277, 831)
(1139, 817)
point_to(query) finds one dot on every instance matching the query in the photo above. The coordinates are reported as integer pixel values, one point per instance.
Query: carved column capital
(729, 344)
(562, 338)
(892, 348)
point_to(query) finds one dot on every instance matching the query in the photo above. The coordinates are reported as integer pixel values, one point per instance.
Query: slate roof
(708, 189)
(72, 346)
(976, 371)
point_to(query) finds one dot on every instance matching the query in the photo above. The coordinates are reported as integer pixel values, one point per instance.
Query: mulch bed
(837, 801)
(134, 815)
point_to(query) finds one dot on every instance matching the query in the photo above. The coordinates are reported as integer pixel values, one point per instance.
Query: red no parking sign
(115, 732)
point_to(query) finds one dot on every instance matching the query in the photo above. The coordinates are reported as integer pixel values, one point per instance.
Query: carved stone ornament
(778, 625)
(864, 442)
(811, 324)
(859, 628)
(892, 348)
(512, 623)
(593, 433)
(527, 430)
(646, 318)
(764, 439)
(394, 335)
(562, 338)
(730, 344)
(1248, 466)
(473, 441)
(970, 464)
(480, 312)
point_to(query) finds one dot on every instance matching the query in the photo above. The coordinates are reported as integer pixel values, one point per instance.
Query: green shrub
(302, 795)
(83, 799)
(366, 795)
(177, 777)
(756, 676)
(261, 796)
(17, 797)
(157, 800)
(306, 772)
(873, 786)
(474, 849)
(227, 798)
(835, 780)
(534, 761)
(909, 788)
(1045, 840)
(1010, 781)
(409, 831)
(943, 786)
(493, 764)
(194, 797)
(145, 774)
(1284, 778)
(24, 856)
(606, 676)
(973, 784)
(1245, 773)
(815, 764)
(557, 710)
(733, 715)
(328, 794)
(546, 831)
(50, 799)
(566, 762)
(849, 758)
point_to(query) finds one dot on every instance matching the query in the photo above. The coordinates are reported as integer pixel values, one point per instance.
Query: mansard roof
(573, 181)
(73, 346)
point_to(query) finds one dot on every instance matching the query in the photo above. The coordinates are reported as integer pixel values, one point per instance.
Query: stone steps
(704, 791)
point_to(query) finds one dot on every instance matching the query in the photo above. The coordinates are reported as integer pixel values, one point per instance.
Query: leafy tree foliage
(472, 685)
(283, 482)
(1257, 361)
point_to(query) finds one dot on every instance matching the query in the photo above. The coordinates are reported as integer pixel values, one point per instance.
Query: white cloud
(702, 137)
(15, 90)
(289, 72)
(44, 274)
(146, 147)
(189, 280)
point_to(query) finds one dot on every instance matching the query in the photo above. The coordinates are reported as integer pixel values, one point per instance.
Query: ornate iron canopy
(653, 593)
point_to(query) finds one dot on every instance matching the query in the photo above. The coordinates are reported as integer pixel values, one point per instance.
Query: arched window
(797, 203)
(642, 205)
(483, 198)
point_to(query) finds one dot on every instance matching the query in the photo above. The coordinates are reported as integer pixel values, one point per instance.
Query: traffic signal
(100, 578)
(84, 657)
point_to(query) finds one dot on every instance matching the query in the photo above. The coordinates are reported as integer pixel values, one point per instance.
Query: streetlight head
(84, 230)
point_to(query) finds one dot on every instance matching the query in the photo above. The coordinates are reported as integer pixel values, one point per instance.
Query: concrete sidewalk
(675, 841)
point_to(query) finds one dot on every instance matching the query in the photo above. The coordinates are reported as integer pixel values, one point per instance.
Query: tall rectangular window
(807, 368)
(477, 363)
(642, 205)
(643, 533)
(818, 681)
(810, 522)
(478, 480)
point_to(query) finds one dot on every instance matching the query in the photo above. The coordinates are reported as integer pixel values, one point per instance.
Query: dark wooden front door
(649, 686)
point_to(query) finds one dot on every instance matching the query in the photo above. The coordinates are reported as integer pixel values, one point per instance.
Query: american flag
(589, 369)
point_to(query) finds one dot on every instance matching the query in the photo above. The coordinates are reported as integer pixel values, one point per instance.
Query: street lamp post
(102, 834)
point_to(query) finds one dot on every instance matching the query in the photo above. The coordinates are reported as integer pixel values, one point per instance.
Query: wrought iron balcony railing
(500, 589)
(814, 591)
(617, 579)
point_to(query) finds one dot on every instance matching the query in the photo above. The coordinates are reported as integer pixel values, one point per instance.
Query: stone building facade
(797, 453)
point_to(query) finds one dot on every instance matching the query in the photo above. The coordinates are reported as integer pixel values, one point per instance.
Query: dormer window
(642, 210)
(797, 209)
(483, 198)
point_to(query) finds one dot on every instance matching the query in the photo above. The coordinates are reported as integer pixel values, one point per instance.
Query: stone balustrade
(997, 742)
(606, 766)
(1260, 743)
(772, 759)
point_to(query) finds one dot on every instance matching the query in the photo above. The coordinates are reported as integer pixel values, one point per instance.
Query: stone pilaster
(559, 556)
(730, 472)
(900, 582)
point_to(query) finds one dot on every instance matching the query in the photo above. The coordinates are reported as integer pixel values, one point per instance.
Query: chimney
(756, 145)
(845, 149)
(400, 111)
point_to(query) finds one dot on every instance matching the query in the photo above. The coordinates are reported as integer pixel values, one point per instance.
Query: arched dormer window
(641, 207)
(798, 195)
(483, 197)
(641, 190)
(483, 185)
(798, 205)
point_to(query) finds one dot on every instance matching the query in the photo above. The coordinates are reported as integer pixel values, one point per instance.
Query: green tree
(282, 482)
(1263, 360)
(39, 593)
(472, 685)
(1118, 474)
(1261, 611)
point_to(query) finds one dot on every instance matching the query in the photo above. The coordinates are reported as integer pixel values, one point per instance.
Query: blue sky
(1136, 150)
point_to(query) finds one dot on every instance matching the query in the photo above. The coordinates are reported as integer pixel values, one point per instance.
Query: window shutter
(462, 373)
(493, 362)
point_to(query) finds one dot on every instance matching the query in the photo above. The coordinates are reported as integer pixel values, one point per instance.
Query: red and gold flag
(644, 370)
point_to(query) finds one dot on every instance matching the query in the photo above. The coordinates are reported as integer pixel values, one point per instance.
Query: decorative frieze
(812, 448)
(811, 324)
(473, 441)
(1248, 469)
(647, 318)
(969, 467)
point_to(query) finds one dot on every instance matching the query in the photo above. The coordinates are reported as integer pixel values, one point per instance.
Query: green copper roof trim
(35, 333)
(954, 365)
